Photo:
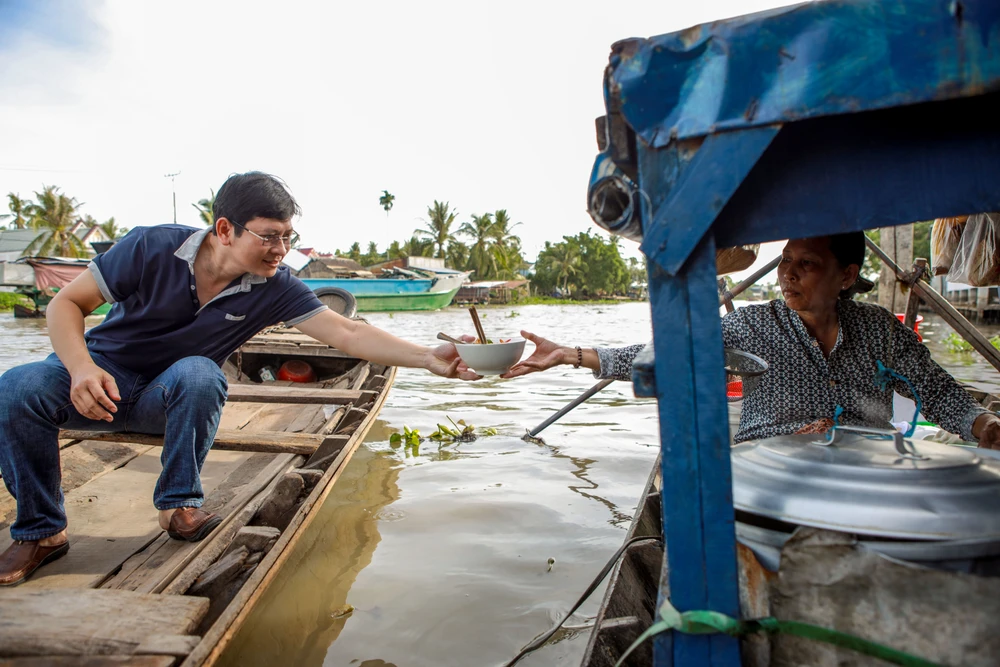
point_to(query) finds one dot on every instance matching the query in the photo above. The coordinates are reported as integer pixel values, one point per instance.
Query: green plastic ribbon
(711, 622)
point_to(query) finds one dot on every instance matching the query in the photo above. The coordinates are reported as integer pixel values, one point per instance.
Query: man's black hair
(254, 194)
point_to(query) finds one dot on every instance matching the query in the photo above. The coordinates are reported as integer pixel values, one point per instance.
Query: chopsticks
(478, 325)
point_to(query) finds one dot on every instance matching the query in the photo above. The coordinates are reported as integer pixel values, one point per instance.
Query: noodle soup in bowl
(492, 358)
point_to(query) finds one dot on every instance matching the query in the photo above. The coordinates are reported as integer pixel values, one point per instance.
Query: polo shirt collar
(189, 250)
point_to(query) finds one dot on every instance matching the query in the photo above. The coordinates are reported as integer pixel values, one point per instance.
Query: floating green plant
(956, 343)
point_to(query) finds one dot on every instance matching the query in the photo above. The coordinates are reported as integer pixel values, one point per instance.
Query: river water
(442, 551)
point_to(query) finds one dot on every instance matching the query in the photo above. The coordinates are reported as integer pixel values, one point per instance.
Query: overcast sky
(483, 105)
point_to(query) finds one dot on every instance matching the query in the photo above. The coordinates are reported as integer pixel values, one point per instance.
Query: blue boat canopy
(805, 61)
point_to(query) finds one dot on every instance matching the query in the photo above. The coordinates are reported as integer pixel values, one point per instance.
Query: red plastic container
(734, 390)
(916, 324)
(296, 371)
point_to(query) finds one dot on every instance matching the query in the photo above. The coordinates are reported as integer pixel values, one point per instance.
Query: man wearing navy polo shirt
(183, 301)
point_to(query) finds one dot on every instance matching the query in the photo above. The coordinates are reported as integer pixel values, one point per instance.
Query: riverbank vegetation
(9, 299)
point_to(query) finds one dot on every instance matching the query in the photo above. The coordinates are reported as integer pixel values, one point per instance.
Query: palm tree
(564, 261)
(112, 230)
(206, 209)
(54, 216)
(457, 255)
(415, 247)
(395, 251)
(439, 223)
(386, 201)
(481, 257)
(20, 211)
(506, 246)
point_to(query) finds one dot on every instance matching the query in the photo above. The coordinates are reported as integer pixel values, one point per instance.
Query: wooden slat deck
(113, 623)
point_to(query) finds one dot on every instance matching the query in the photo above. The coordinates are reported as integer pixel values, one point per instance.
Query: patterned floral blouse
(802, 386)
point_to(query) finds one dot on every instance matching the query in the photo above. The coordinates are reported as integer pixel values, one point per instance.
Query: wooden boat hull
(279, 451)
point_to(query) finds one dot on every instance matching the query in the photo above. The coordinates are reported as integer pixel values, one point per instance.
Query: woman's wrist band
(579, 357)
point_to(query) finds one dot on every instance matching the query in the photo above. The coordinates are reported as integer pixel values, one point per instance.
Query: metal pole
(173, 191)
(750, 280)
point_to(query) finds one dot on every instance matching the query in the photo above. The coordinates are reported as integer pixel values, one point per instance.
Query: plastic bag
(945, 236)
(977, 261)
(737, 258)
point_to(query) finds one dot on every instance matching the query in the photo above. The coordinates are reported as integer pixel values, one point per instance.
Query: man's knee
(201, 376)
(23, 386)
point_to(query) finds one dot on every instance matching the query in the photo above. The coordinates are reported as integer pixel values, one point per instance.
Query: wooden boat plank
(165, 557)
(292, 348)
(91, 621)
(112, 517)
(90, 661)
(80, 464)
(265, 393)
(218, 636)
(274, 442)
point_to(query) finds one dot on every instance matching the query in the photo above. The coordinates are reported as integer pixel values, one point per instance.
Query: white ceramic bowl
(493, 359)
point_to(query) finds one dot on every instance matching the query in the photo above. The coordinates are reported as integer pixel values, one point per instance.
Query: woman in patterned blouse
(822, 349)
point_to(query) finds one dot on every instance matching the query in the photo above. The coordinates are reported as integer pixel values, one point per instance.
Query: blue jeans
(183, 403)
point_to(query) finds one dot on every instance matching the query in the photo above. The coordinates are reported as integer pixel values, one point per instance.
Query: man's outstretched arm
(367, 342)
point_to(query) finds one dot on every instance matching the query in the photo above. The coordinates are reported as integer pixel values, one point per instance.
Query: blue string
(884, 377)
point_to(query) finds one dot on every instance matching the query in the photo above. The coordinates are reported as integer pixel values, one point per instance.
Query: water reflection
(303, 612)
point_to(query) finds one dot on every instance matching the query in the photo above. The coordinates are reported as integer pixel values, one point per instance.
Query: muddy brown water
(442, 551)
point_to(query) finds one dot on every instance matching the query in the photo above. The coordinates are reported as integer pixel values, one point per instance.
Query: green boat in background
(414, 301)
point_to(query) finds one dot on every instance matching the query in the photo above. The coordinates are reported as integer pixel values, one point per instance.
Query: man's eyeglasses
(273, 240)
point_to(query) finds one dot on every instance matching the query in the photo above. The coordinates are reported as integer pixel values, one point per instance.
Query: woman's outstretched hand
(546, 355)
(986, 428)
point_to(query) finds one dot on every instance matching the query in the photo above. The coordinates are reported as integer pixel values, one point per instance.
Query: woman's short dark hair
(254, 194)
(848, 248)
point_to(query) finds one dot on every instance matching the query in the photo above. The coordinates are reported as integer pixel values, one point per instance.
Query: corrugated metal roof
(16, 240)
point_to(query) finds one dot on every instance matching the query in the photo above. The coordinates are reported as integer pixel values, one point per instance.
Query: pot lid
(861, 484)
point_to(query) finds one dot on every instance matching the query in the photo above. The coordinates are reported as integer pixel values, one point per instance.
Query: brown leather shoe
(22, 558)
(192, 524)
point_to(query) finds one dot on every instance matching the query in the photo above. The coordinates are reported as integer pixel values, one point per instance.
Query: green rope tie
(711, 622)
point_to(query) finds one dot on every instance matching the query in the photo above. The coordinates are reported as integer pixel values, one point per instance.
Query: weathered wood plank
(175, 645)
(86, 621)
(273, 442)
(80, 464)
(291, 348)
(161, 561)
(178, 583)
(90, 661)
(113, 517)
(254, 393)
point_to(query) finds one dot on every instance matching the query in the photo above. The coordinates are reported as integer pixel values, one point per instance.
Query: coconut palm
(564, 261)
(112, 230)
(416, 247)
(20, 211)
(506, 246)
(439, 223)
(206, 208)
(53, 216)
(386, 201)
(457, 256)
(481, 257)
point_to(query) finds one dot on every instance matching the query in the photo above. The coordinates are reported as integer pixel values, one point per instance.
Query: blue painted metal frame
(694, 435)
